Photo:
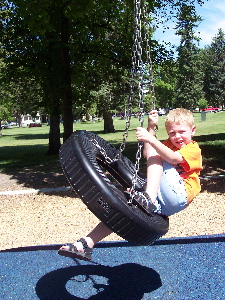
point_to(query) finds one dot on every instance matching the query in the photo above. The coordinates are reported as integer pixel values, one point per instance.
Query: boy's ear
(193, 130)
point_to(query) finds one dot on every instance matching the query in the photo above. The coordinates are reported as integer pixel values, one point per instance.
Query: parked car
(35, 125)
(161, 112)
(5, 126)
(12, 123)
(211, 109)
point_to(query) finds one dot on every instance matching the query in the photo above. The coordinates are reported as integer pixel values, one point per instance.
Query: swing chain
(103, 152)
(125, 134)
(137, 79)
(136, 73)
(149, 60)
(140, 10)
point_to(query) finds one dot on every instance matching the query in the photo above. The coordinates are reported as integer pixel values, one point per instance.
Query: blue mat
(187, 268)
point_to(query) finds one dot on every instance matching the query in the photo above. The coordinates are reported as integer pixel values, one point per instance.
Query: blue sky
(213, 14)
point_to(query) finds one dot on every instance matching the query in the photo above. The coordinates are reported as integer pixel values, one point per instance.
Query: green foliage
(5, 114)
(202, 103)
(164, 93)
(188, 89)
(75, 56)
(214, 81)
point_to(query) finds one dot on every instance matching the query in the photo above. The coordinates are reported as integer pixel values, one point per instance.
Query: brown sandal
(74, 253)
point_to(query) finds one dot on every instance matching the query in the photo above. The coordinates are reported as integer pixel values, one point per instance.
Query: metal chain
(140, 14)
(137, 82)
(136, 72)
(128, 118)
(149, 60)
(108, 159)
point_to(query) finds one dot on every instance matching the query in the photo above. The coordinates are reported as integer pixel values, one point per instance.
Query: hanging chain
(137, 82)
(138, 70)
(108, 159)
(144, 85)
(149, 63)
(149, 60)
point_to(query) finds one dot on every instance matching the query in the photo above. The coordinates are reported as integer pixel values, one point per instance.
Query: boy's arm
(165, 153)
(152, 122)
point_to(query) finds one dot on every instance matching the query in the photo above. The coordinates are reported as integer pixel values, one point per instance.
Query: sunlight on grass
(22, 147)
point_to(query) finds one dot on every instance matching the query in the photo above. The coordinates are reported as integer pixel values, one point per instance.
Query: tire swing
(100, 173)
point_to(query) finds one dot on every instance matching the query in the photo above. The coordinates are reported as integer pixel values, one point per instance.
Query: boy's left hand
(143, 135)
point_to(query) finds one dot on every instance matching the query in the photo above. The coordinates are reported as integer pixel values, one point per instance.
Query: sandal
(74, 253)
(143, 201)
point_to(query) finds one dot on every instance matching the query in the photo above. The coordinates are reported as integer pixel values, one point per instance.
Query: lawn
(27, 147)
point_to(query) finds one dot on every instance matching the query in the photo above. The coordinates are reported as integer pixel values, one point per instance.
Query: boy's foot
(143, 201)
(70, 250)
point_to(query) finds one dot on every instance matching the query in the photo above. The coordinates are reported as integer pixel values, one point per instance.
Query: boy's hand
(153, 118)
(143, 135)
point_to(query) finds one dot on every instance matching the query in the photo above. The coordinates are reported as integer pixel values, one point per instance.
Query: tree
(189, 85)
(6, 97)
(165, 81)
(42, 39)
(214, 81)
(70, 48)
(35, 39)
(105, 57)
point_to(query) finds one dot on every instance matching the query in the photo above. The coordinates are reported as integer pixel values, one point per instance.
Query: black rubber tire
(84, 166)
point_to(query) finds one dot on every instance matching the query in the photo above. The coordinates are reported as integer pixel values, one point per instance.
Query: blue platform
(179, 268)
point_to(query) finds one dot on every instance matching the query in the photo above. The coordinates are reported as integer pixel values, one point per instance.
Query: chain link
(137, 82)
(108, 159)
(149, 60)
(143, 83)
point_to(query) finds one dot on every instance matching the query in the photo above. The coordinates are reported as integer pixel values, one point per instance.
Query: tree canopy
(69, 57)
(214, 70)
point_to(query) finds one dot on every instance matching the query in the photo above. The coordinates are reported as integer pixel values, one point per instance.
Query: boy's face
(180, 134)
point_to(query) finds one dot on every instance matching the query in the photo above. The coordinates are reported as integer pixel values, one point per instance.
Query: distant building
(28, 119)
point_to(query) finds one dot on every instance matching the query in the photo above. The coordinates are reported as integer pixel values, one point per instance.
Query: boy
(173, 169)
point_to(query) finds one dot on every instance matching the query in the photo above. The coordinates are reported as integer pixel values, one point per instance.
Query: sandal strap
(144, 200)
(71, 247)
(87, 249)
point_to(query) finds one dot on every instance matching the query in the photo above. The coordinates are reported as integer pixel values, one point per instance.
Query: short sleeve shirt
(190, 169)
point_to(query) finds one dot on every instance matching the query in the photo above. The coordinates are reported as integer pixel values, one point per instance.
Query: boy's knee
(170, 209)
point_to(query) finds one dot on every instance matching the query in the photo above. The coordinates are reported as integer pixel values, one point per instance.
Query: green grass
(22, 148)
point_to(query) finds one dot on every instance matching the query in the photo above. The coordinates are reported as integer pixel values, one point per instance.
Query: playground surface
(187, 263)
(171, 268)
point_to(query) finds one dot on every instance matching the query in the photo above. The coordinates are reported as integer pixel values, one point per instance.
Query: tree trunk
(66, 80)
(53, 94)
(18, 117)
(108, 122)
(54, 133)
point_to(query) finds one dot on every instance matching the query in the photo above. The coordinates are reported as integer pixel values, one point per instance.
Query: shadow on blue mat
(127, 281)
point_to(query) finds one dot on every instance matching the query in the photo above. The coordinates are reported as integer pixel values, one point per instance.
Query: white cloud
(213, 15)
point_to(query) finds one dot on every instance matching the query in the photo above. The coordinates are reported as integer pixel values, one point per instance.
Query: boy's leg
(96, 235)
(154, 173)
(172, 194)
(147, 200)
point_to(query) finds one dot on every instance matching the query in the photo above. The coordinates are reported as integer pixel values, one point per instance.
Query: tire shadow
(98, 282)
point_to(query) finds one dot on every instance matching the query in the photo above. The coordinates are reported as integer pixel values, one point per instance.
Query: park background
(69, 60)
(31, 216)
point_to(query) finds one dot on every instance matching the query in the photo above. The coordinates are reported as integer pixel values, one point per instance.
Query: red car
(35, 125)
(211, 109)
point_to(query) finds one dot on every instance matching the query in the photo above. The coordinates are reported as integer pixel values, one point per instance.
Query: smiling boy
(173, 167)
